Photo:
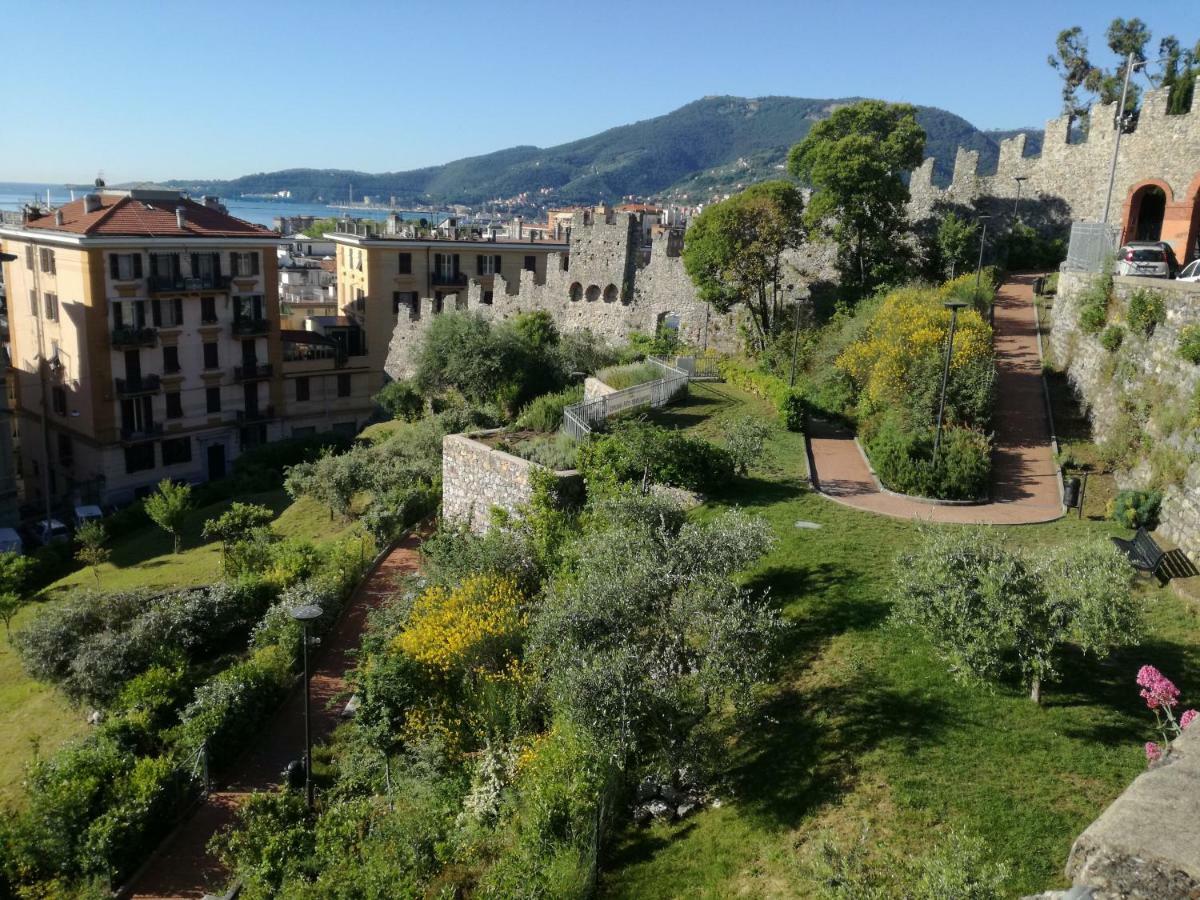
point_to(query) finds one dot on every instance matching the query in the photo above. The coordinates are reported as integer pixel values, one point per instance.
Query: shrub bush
(401, 399)
(745, 441)
(1135, 509)
(903, 459)
(1112, 337)
(634, 449)
(1189, 344)
(556, 451)
(1146, 310)
(789, 402)
(1028, 249)
(629, 375)
(1093, 304)
(545, 413)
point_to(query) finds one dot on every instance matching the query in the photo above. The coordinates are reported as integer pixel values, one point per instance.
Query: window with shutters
(405, 264)
(174, 405)
(302, 387)
(165, 266)
(208, 310)
(487, 264)
(211, 359)
(139, 458)
(170, 359)
(530, 264)
(129, 313)
(244, 265)
(408, 302)
(47, 258)
(58, 399)
(176, 451)
(167, 313)
(29, 256)
(212, 397)
(33, 304)
(51, 302)
(343, 385)
(125, 266)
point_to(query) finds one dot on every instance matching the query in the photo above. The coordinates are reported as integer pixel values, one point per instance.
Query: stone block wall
(476, 478)
(594, 389)
(1068, 181)
(610, 286)
(1144, 384)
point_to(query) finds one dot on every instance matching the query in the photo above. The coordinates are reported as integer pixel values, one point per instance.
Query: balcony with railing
(161, 284)
(252, 372)
(145, 432)
(143, 384)
(250, 327)
(131, 336)
(257, 414)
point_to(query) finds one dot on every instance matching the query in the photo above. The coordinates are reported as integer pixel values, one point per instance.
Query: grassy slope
(31, 711)
(865, 728)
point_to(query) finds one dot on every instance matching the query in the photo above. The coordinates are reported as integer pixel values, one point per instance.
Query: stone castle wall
(612, 287)
(476, 478)
(1144, 384)
(1069, 181)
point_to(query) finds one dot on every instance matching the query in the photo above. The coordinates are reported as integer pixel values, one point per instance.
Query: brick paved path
(182, 867)
(1026, 479)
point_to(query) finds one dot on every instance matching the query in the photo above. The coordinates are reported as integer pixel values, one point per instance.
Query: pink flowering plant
(1162, 697)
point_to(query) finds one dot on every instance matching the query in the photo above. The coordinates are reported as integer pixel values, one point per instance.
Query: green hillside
(705, 146)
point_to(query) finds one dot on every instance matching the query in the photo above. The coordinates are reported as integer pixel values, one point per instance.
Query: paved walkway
(182, 867)
(1026, 478)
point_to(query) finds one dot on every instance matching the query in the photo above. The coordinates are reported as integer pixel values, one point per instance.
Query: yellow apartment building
(145, 343)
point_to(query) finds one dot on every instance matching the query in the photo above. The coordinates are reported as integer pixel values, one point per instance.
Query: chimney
(58, 217)
(91, 203)
(181, 217)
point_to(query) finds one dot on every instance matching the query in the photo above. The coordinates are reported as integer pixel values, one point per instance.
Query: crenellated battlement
(1069, 179)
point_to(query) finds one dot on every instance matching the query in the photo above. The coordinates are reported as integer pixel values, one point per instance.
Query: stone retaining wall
(594, 389)
(476, 478)
(1145, 384)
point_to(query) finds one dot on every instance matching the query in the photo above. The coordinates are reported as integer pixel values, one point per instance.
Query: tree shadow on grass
(749, 493)
(802, 752)
(640, 845)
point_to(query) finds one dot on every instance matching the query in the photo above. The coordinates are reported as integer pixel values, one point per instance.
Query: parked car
(87, 514)
(1191, 272)
(10, 541)
(50, 531)
(1145, 258)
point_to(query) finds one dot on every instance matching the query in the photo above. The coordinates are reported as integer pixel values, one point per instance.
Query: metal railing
(1092, 246)
(143, 384)
(247, 327)
(579, 419)
(132, 336)
(142, 432)
(699, 368)
(261, 414)
(160, 283)
(251, 371)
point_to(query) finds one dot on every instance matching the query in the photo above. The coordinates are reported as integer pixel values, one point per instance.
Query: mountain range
(710, 146)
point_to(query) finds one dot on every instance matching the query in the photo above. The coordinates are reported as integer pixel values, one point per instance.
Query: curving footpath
(1026, 488)
(182, 867)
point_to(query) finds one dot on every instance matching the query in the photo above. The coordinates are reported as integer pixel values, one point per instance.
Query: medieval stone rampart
(1068, 181)
(612, 284)
(1144, 385)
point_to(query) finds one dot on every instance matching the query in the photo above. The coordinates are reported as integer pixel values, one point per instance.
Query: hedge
(789, 401)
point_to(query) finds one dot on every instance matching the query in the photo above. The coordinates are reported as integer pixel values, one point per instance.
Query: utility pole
(795, 343)
(982, 241)
(1120, 123)
(1020, 180)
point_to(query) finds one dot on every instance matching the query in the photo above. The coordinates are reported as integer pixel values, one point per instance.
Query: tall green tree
(734, 251)
(90, 538)
(856, 161)
(955, 244)
(168, 506)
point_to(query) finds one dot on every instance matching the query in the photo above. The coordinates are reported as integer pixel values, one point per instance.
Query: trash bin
(1071, 493)
(294, 774)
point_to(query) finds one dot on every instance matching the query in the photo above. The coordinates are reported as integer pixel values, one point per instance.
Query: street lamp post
(1112, 166)
(795, 343)
(1020, 180)
(304, 615)
(982, 241)
(954, 306)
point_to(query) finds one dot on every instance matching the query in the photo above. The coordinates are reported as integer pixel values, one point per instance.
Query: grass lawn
(866, 730)
(31, 711)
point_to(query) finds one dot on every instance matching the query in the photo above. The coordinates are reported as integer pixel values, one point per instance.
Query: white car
(10, 541)
(1190, 272)
(87, 514)
(50, 531)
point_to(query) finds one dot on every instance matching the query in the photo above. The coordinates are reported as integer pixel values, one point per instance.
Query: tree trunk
(1035, 690)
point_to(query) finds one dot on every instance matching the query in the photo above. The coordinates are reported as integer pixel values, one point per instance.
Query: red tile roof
(119, 215)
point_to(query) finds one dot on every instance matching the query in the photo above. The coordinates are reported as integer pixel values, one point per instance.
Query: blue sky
(154, 90)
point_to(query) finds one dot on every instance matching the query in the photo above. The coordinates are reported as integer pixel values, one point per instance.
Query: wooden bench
(1142, 551)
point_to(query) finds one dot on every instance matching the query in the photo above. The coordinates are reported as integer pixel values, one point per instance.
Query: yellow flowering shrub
(908, 328)
(473, 628)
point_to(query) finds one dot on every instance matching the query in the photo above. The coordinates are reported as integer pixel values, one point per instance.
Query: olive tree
(91, 537)
(990, 610)
(168, 507)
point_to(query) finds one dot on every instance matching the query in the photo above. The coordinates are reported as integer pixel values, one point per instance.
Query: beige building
(145, 343)
(383, 277)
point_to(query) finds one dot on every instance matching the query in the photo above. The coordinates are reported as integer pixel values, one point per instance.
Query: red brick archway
(1181, 217)
(1136, 207)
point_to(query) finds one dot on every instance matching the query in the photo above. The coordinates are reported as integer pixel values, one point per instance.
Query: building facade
(145, 344)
